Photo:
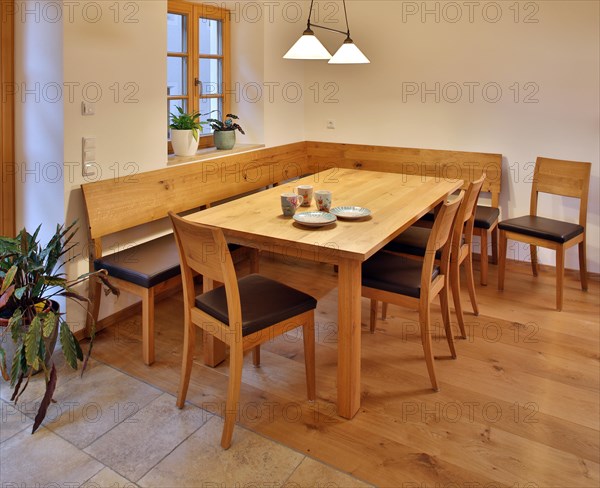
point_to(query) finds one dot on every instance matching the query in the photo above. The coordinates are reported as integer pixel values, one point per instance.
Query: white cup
(323, 200)
(307, 193)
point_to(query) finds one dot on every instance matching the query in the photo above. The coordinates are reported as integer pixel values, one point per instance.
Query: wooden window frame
(195, 11)
(7, 123)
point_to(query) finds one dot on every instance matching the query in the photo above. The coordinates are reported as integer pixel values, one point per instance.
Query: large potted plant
(224, 134)
(185, 129)
(30, 321)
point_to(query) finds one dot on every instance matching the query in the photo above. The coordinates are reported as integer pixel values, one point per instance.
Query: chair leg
(236, 362)
(455, 282)
(471, 282)
(560, 274)
(256, 356)
(426, 340)
(308, 334)
(254, 258)
(583, 266)
(373, 315)
(501, 259)
(95, 294)
(534, 259)
(483, 272)
(494, 235)
(148, 326)
(384, 308)
(445, 306)
(189, 344)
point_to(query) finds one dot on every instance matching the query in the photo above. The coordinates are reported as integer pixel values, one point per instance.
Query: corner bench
(152, 267)
(465, 165)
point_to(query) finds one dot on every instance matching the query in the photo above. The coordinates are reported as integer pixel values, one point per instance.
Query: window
(198, 71)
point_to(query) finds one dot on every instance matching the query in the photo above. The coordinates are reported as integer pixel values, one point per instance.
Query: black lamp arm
(309, 24)
(328, 28)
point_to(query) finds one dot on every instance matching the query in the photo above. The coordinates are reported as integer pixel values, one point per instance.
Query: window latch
(198, 83)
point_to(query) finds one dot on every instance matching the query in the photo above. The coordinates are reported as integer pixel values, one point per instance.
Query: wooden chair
(413, 283)
(414, 241)
(486, 227)
(557, 177)
(242, 313)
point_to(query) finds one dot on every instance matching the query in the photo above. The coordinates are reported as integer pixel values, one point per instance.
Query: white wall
(557, 58)
(115, 62)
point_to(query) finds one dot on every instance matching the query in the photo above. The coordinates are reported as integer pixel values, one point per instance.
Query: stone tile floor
(108, 429)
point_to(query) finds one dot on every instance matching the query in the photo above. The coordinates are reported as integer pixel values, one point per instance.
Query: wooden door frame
(7, 120)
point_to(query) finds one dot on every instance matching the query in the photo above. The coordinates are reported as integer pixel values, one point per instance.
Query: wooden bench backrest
(468, 166)
(114, 205)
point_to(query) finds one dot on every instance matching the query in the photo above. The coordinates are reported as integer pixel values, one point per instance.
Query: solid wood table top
(396, 201)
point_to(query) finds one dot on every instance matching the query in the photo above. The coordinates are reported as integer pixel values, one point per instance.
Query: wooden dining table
(396, 201)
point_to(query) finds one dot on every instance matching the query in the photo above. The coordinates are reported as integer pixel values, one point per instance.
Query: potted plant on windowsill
(185, 129)
(224, 134)
(30, 321)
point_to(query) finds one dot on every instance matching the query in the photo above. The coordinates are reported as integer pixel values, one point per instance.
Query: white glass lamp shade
(348, 53)
(308, 47)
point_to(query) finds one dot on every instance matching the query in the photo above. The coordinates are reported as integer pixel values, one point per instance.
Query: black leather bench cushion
(549, 229)
(264, 302)
(395, 274)
(146, 264)
(486, 216)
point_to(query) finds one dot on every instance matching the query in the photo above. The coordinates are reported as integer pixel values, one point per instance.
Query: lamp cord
(346, 15)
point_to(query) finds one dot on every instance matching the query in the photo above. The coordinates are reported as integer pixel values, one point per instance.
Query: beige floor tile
(57, 462)
(107, 478)
(12, 421)
(141, 441)
(37, 386)
(313, 474)
(88, 407)
(251, 460)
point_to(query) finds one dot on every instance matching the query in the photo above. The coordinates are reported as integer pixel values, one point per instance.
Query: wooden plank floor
(518, 408)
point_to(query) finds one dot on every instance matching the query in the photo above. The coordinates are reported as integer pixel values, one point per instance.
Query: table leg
(349, 293)
(214, 349)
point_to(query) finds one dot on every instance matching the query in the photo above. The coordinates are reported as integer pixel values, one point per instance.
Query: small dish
(315, 219)
(351, 213)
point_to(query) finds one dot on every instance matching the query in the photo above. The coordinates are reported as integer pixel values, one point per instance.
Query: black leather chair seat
(264, 302)
(486, 216)
(543, 228)
(395, 274)
(412, 241)
(146, 264)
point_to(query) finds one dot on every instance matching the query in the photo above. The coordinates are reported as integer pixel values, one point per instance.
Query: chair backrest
(439, 237)
(203, 249)
(465, 219)
(565, 178)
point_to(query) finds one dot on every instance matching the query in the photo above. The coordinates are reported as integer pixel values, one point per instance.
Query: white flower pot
(184, 143)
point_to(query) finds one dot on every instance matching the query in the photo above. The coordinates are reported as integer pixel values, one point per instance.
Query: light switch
(88, 108)
(88, 159)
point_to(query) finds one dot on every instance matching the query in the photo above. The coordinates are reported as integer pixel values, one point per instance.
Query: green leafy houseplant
(225, 125)
(30, 277)
(185, 121)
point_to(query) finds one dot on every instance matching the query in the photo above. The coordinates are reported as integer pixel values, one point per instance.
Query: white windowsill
(211, 153)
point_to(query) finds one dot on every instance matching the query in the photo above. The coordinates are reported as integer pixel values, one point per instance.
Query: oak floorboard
(518, 408)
